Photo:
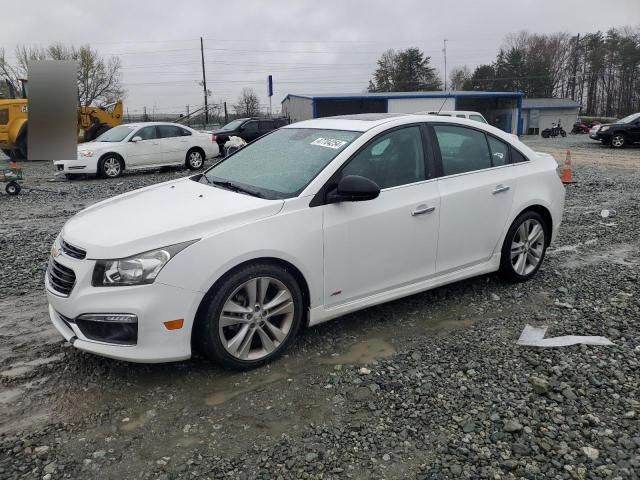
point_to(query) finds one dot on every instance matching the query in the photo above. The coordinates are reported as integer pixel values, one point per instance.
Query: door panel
(146, 151)
(376, 245)
(474, 208)
(171, 146)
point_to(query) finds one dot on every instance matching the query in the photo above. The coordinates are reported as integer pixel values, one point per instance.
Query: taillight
(214, 138)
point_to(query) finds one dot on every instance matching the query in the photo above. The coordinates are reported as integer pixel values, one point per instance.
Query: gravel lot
(431, 386)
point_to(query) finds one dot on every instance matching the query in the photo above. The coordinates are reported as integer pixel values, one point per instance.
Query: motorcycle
(581, 127)
(555, 130)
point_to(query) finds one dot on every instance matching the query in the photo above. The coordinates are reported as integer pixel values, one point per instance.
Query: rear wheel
(195, 159)
(251, 317)
(618, 140)
(21, 147)
(524, 247)
(12, 188)
(110, 166)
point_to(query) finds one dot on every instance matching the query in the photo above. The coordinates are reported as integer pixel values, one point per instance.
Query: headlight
(138, 269)
(603, 129)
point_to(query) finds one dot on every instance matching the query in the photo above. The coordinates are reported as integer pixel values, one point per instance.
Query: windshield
(116, 134)
(630, 119)
(282, 164)
(233, 125)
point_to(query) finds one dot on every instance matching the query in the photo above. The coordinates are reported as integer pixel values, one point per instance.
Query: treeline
(599, 70)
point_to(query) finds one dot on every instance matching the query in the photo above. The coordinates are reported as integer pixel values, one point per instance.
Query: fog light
(115, 328)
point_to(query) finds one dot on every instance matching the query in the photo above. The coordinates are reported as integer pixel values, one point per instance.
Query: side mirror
(354, 188)
(136, 139)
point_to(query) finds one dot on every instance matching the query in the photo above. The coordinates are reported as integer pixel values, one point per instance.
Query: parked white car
(137, 146)
(308, 223)
(477, 116)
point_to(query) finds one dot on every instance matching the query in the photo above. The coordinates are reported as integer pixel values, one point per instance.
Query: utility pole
(226, 115)
(575, 68)
(204, 84)
(444, 50)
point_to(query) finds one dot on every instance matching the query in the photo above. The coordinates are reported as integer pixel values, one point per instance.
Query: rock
(99, 454)
(42, 451)
(495, 298)
(540, 385)
(311, 457)
(50, 468)
(456, 469)
(386, 457)
(364, 371)
(591, 453)
(512, 426)
(469, 426)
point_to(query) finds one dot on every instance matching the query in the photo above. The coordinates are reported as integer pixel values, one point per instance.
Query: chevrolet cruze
(310, 222)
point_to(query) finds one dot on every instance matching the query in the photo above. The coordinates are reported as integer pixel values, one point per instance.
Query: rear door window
(169, 131)
(266, 126)
(462, 149)
(250, 127)
(499, 151)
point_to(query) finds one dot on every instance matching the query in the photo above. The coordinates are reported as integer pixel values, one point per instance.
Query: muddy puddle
(586, 254)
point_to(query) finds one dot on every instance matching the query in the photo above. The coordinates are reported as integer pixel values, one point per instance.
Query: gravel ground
(431, 386)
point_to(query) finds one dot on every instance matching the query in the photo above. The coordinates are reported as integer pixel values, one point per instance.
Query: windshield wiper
(235, 188)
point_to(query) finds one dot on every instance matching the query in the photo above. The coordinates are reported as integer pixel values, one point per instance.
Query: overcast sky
(308, 46)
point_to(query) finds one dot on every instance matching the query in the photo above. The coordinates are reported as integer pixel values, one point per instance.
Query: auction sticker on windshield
(329, 143)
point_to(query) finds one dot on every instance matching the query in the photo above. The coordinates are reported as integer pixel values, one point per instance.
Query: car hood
(161, 215)
(96, 145)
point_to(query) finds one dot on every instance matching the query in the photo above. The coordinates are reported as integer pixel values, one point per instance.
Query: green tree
(404, 71)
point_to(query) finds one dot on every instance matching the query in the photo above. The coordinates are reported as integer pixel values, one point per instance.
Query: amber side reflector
(174, 324)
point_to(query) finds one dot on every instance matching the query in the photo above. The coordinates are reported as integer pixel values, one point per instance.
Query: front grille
(72, 251)
(61, 278)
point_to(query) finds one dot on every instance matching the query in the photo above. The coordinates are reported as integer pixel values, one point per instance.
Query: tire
(21, 147)
(195, 159)
(110, 166)
(618, 140)
(226, 343)
(518, 266)
(563, 133)
(70, 176)
(545, 134)
(7, 152)
(12, 188)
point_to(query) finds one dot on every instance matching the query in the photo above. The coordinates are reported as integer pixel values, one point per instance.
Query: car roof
(358, 123)
(151, 124)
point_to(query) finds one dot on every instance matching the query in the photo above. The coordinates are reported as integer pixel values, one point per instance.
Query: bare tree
(248, 103)
(458, 76)
(98, 78)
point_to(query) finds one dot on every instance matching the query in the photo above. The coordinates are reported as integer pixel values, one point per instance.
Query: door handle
(500, 188)
(422, 209)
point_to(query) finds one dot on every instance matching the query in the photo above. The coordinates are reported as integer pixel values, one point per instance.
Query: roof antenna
(445, 101)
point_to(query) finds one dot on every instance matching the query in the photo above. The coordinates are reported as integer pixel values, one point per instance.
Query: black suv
(619, 134)
(247, 129)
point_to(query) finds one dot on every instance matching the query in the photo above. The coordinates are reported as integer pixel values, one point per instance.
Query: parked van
(458, 113)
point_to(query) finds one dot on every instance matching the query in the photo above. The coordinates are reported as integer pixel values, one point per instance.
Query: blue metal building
(501, 109)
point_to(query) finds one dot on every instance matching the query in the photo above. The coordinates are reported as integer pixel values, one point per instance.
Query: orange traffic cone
(567, 173)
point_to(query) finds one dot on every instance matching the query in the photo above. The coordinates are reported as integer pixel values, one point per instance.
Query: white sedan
(308, 223)
(137, 146)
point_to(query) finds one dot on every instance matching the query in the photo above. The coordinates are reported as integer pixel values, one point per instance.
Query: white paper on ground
(534, 337)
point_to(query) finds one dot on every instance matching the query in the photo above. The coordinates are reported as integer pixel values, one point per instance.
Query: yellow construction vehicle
(92, 121)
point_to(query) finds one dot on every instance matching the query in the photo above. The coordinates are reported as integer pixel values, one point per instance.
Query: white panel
(298, 109)
(412, 105)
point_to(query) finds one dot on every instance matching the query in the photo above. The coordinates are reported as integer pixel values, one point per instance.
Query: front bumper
(601, 137)
(153, 304)
(82, 165)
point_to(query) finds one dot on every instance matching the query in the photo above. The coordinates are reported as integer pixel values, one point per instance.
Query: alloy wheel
(617, 141)
(111, 167)
(195, 160)
(527, 246)
(256, 318)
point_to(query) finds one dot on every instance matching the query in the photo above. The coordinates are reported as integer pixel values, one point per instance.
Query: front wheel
(618, 140)
(524, 247)
(110, 167)
(195, 159)
(251, 317)
(563, 133)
